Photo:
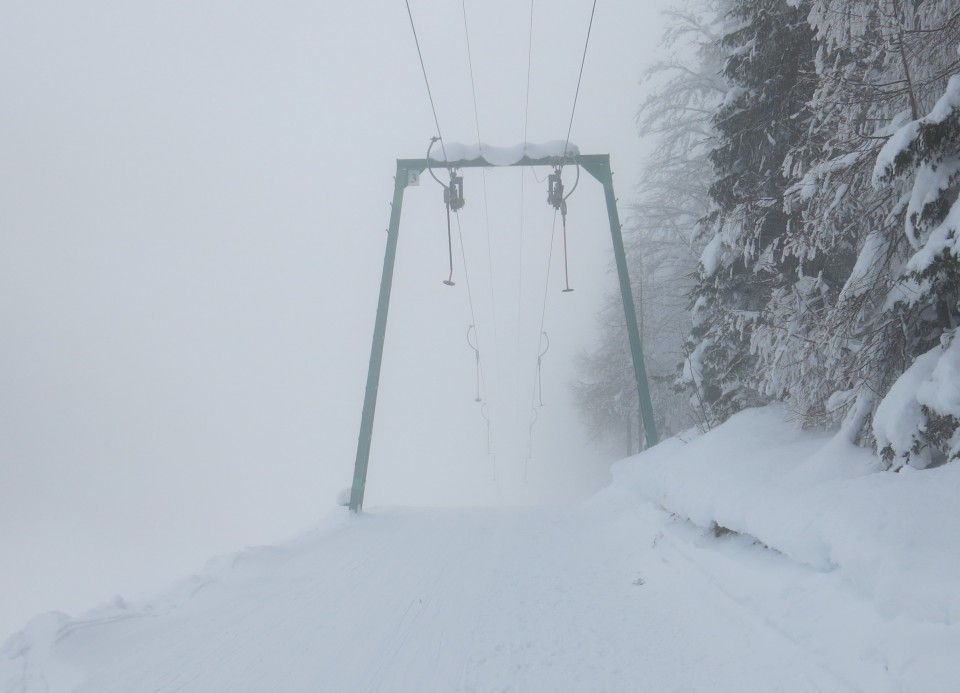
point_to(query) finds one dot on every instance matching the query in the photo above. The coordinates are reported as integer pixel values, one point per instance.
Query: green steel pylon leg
(376, 351)
(602, 172)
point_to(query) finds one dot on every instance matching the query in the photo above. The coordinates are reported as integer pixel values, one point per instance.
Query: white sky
(192, 204)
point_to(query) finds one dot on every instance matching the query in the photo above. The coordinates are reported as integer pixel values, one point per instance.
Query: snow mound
(822, 502)
(930, 388)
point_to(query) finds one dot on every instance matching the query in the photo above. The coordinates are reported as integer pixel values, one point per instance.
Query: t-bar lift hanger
(558, 201)
(452, 200)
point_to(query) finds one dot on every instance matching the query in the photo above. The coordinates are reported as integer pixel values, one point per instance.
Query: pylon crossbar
(597, 165)
(582, 159)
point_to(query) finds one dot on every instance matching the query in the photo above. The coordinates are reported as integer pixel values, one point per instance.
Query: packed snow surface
(823, 503)
(503, 156)
(630, 591)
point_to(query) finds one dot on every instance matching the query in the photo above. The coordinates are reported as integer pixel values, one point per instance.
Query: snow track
(610, 596)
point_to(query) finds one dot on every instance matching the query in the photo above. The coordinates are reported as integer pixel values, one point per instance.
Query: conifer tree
(769, 56)
(918, 422)
(878, 65)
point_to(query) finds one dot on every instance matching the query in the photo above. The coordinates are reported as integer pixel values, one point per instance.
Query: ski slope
(616, 594)
(483, 600)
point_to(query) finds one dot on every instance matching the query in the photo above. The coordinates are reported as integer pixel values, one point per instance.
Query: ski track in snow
(607, 596)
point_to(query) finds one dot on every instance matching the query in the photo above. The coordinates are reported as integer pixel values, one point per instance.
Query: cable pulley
(476, 351)
(453, 193)
(555, 191)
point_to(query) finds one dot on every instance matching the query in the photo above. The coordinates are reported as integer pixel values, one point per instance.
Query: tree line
(795, 235)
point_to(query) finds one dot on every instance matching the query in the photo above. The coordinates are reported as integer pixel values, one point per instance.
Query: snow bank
(27, 657)
(503, 156)
(903, 428)
(822, 502)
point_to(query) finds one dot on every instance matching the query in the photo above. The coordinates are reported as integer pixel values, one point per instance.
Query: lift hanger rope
(486, 417)
(543, 353)
(476, 351)
(526, 461)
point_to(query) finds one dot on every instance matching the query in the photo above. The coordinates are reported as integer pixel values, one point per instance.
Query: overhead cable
(426, 81)
(526, 117)
(580, 77)
(486, 209)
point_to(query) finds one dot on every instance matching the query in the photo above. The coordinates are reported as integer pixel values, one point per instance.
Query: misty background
(193, 198)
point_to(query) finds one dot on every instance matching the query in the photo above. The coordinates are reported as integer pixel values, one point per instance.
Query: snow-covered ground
(630, 591)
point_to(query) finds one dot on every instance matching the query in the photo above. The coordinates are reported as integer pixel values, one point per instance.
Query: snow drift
(822, 502)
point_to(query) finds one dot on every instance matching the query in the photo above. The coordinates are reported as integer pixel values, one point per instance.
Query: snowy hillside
(639, 589)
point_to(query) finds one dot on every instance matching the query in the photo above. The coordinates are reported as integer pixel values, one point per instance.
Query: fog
(193, 198)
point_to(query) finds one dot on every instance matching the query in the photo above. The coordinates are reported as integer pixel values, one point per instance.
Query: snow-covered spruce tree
(810, 345)
(661, 233)
(761, 121)
(877, 64)
(918, 422)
